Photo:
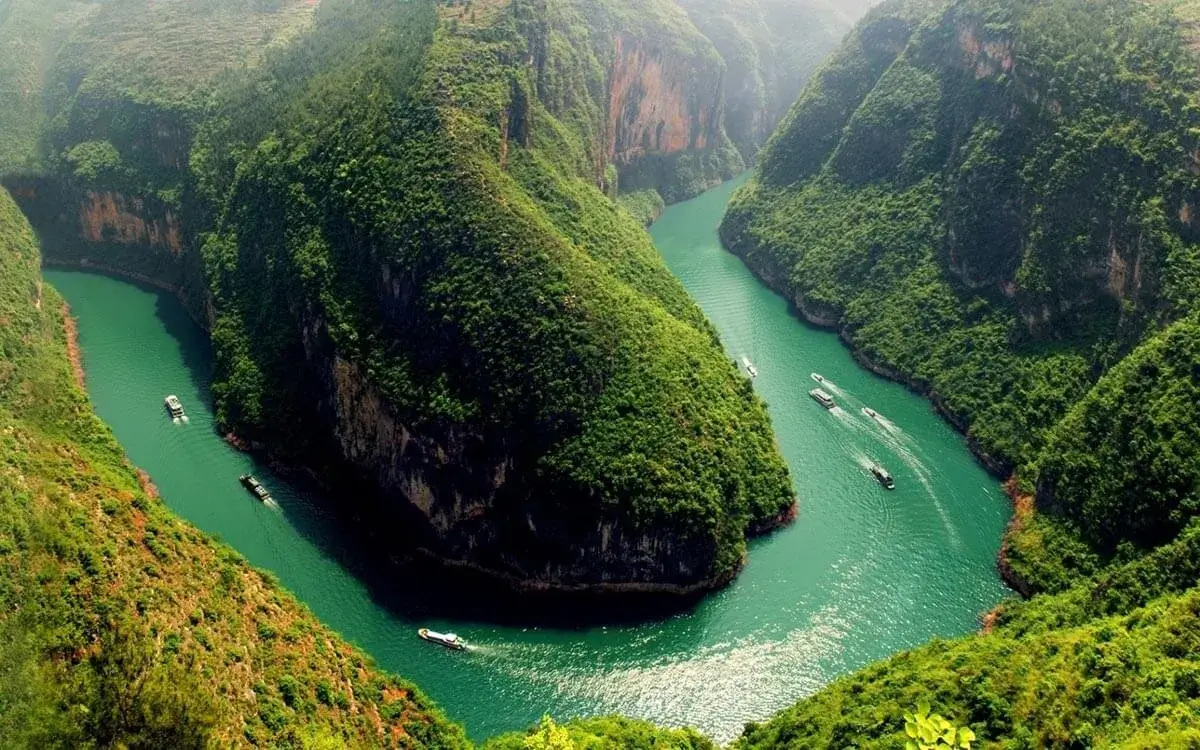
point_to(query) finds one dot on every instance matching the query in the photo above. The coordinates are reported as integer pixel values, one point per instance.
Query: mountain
(995, 207)
(404, 226)
(993, 203)
(459, 321)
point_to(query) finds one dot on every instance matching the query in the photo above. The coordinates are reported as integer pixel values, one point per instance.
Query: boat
(174, 407)
(750, 368)
(870, 412)
(255, 487)
(822, 398)
(449, 640)
(818, 378)
(883, 476)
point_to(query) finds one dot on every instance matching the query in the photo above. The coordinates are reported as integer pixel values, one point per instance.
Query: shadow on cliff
(407, 584)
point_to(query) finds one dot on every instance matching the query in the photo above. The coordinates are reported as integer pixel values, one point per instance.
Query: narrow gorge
(393, 259)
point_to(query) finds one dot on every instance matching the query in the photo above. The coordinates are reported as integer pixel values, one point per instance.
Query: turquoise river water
(861, 574)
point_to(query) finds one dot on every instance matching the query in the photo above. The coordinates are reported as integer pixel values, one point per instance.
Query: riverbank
(89, 266)
(830, 320)
(71, 331)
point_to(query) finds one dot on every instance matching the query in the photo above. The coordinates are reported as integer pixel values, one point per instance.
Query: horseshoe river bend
(863, 572)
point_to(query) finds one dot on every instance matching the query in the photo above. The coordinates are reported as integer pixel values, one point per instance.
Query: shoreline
(88, 266)
(652, 596)
(1022, 505)
(74, 355)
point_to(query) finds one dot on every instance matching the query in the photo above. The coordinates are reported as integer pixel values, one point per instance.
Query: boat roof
(447, 636)
(820, 393)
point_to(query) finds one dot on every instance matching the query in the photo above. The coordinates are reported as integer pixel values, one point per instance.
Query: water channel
(862, 574)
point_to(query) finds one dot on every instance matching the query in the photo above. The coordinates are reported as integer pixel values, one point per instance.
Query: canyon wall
(545, 412)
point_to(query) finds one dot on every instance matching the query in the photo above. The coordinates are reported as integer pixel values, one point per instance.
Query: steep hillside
(770, 48)
(996, 208)
(1122, 681)
(31, 33)
(123, 626)
(489, 343)
(125, 90)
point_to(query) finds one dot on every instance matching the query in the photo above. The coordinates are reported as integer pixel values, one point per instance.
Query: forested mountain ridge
(995, 206)
(994, 203)
(490, 342)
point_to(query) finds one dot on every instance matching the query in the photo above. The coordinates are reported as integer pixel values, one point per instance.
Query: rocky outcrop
(456, 496)
(661, 105)
(112, 217)
(111, 232)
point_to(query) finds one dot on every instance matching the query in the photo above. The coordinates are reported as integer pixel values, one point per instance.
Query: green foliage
(31, 32)
(930, 732)
(1097, 684)
(984, 205)
(92, 160)
(601, 733)
(990, 209)
(1124, 464)
(525, 310)
(645, 205)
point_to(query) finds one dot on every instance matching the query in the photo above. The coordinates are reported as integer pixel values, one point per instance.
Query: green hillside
(31, 33)
(125, 627)
(983, 213)
(535, 319)
(399, 220)
(993, 202)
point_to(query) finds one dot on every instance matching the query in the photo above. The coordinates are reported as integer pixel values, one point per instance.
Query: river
(862, 574)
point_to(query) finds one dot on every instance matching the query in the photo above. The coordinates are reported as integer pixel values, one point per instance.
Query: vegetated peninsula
(400, 224)
(994, 202)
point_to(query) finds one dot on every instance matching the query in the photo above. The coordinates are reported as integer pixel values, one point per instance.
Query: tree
(934, 732)
(549, 736)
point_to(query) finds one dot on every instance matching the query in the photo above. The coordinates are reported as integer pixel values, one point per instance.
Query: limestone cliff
(770, 48)
(660, 105)
(108, 216)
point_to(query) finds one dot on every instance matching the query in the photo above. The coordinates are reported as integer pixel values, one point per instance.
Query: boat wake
(176, 420)
(906, 449)
(828, 385)
(863, 461)
(847, 419)
(921, 471)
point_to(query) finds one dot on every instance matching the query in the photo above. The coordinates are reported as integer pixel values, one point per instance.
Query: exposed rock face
(458, 495)
(660, 105)
(109, 216)
(769, 48)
